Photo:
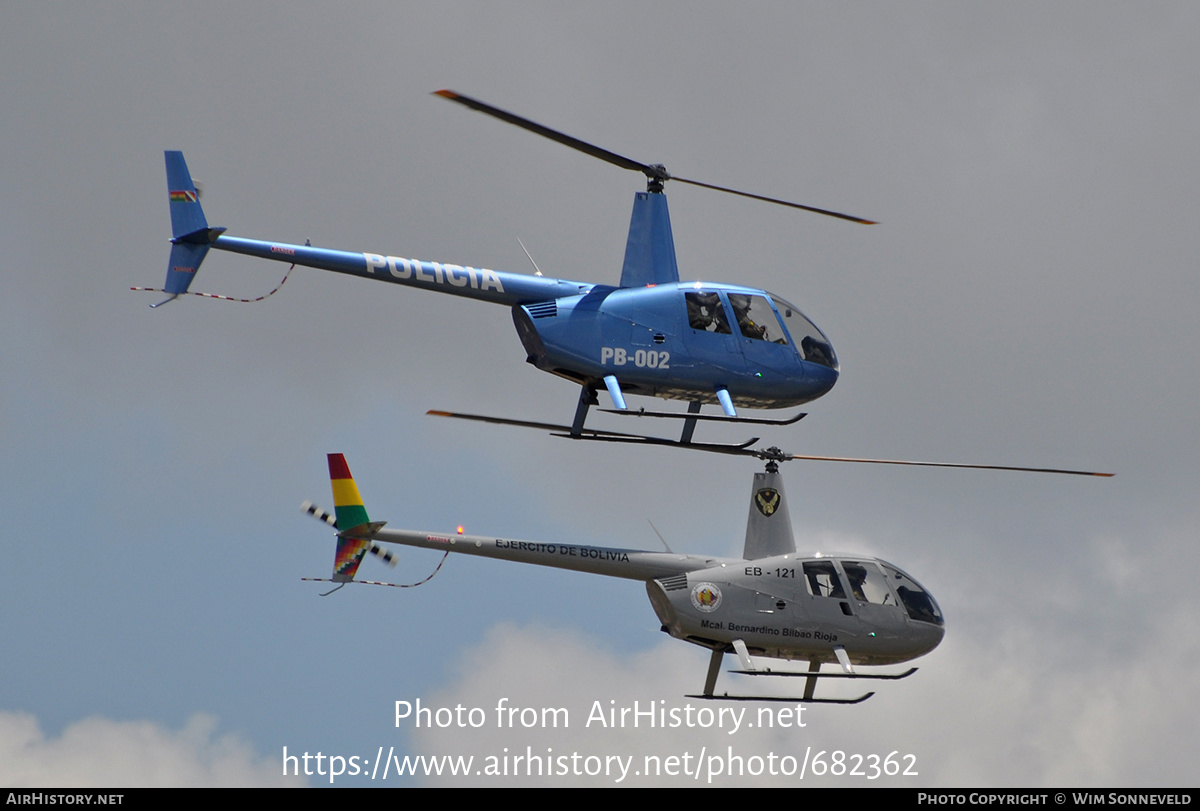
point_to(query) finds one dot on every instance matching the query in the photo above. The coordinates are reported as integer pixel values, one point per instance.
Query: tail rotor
(385, 555)
(355, 531)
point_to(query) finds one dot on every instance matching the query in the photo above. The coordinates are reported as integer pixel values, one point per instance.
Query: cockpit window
(814, 346)
(706, 313)
(822, 579)
(866, 582)
(919, 604)
(756, 319)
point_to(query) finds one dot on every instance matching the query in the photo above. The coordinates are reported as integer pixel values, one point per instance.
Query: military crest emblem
(767, 501)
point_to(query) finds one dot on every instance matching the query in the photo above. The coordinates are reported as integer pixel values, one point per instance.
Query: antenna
(537, 271)
(660, 537)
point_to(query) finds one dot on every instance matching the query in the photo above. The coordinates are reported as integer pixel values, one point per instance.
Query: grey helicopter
(773, 603)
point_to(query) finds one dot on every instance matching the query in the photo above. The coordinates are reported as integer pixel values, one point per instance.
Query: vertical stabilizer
(650, 249)
(769, 527)
(186, 215)
(350, 512)
(190, 234)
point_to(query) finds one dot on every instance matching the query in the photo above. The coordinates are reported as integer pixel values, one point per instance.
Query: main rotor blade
(554, 135)
(654, 172)
(946, 464)
(775, 200)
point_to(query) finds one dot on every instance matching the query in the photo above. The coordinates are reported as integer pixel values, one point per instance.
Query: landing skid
(596, 435)
(675, 415)
(587, 399)
(787, 699)
(810, 676)
(771, 455)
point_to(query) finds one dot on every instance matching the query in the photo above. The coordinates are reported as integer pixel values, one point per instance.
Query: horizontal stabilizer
(364, 532)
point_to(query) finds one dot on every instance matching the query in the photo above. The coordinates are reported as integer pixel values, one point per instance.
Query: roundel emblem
(767, 501)
(706, 597)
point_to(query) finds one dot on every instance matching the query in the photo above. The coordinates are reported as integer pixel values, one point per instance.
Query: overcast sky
(1029, 298)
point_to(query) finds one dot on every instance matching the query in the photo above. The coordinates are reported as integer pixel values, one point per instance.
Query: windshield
(919, 603)
(814, 346)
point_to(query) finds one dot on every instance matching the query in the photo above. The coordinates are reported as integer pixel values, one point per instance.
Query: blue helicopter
(651, 334)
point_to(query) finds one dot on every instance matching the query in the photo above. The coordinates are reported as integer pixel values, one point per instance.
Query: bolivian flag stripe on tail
(350, 513)
(347, 503)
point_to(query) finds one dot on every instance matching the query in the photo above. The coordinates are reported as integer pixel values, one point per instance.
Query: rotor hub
(656, 176)
(772, 456)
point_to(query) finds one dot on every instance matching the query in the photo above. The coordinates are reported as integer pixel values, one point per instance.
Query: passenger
(706, 313)
(698, 316)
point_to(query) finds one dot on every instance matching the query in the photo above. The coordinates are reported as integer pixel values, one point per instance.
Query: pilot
(741, 311)
(857, 575)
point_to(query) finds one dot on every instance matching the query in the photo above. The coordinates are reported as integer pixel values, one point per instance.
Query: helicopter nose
(931, 636)
(925, 636)
(822, 379)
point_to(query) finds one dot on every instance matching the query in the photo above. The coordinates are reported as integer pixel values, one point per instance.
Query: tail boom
(498, 287)
(630, 564)
(192, 238)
